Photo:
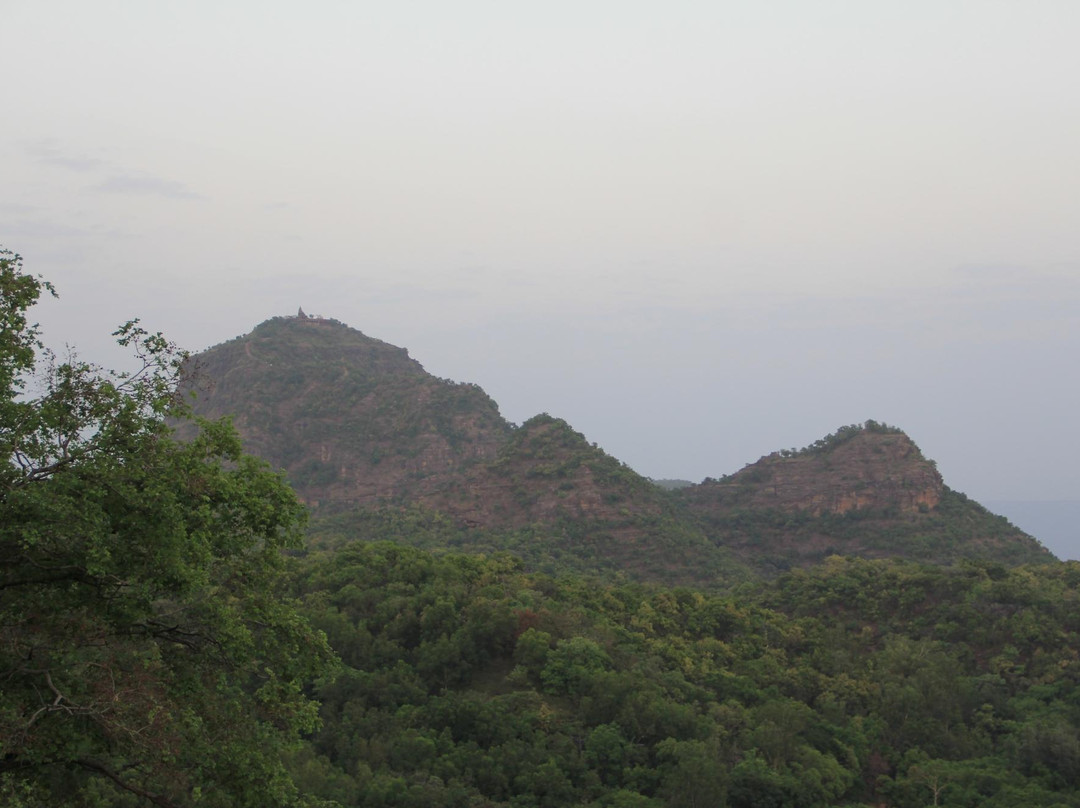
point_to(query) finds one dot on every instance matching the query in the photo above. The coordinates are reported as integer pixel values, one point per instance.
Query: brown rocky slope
(350, 419)
(859, 468)
(865, 490)
(372, 443)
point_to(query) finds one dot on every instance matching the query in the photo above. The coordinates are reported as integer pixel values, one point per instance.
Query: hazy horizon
(699, 234)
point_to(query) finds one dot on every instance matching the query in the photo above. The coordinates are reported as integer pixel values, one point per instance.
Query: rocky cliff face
(867, 491)
(870, 469)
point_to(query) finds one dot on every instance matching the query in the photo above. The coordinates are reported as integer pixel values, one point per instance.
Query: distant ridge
(377, 446)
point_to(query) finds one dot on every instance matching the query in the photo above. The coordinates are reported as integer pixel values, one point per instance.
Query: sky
(698, 231)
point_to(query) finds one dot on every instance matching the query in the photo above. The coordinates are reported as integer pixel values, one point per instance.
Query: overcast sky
(699, 231)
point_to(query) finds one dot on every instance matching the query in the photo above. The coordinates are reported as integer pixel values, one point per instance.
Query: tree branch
(156, 799)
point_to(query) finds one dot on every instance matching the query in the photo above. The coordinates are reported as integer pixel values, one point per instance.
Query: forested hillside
(167, 640)
(468, 682)
(373, 443)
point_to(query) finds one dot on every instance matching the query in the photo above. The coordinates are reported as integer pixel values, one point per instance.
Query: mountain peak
(864, 490)
(867, 466)
(349, 418)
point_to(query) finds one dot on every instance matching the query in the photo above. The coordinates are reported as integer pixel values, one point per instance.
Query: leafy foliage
(840, 437)
(146, 653)
(470, 681)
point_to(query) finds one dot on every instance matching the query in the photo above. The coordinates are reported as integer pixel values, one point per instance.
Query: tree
(146, 653)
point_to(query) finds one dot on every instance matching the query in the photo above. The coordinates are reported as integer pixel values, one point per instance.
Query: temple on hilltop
(312, 318)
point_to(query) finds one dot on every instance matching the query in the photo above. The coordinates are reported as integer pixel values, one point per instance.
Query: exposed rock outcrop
(872, 468)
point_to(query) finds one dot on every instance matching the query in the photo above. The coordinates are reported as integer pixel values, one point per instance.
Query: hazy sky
(699, 231)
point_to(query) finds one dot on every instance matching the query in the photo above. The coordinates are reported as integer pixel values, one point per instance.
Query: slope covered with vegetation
(865, 490)
(468, 681)
(372, 442)
(348, 418)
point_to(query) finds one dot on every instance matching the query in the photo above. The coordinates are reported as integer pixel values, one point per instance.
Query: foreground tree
(146, 654)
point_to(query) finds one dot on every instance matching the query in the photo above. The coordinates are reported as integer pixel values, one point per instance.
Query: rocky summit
(859, 468)
(865, 490)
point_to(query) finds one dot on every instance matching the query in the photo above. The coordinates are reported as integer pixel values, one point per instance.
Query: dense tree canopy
(471, 682)
(147, 655)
